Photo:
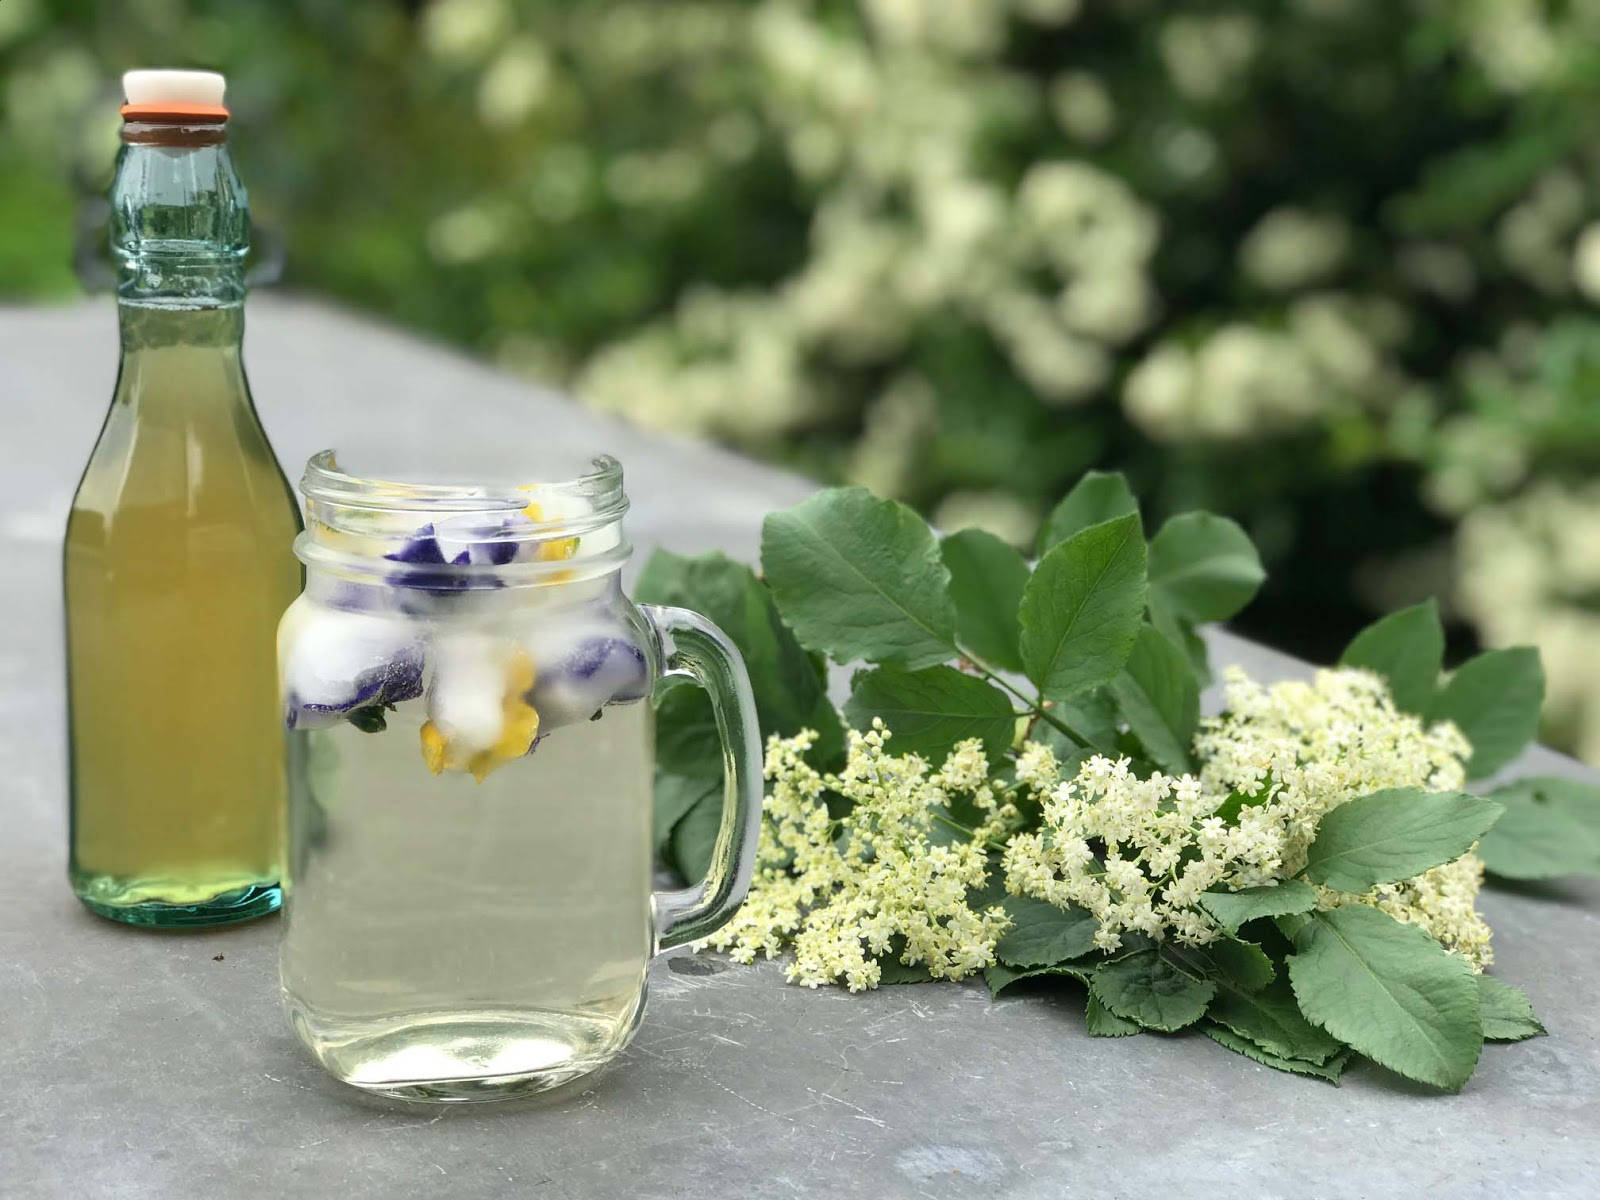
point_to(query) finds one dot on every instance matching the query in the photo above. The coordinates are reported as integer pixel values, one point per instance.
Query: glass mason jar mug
(468, 909)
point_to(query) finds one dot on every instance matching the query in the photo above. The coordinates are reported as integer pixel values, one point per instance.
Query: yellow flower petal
(433, 747)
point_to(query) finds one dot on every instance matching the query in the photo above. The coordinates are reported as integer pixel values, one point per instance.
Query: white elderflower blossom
(1139, 853)
(847, 892)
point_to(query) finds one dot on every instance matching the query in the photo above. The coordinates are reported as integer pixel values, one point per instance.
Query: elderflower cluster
(1139, 853)
(876, 881)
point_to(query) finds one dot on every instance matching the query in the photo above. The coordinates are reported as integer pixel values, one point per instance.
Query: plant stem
(1035, 705)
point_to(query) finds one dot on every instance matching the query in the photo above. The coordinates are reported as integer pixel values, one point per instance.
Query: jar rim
(524, 532)
(327, 482)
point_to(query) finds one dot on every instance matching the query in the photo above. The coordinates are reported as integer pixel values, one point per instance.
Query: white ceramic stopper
(173, 87)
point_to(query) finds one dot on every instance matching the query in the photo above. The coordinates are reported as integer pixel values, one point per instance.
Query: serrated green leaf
(1042, 934)
(1100, 1021)
(1331, 1070)
(1183, 635)
(1204, 567)
(893, 971)
(1097, 496)
(987, 578)
(1271, 1019)
(1495, 700)
(1393, 835)
(1407, 649)
(1082, 608)
(999, 977)
(1159, 697)
(929, 711)
(1240, 964)
(1092, 714)
(1233, 909)
(860, 578)
(1390, 992)
(1147, 989)
(789, 689)
(1551, 827)
(1505, 1012)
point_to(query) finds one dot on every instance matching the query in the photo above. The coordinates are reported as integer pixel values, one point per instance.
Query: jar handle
(692, 646)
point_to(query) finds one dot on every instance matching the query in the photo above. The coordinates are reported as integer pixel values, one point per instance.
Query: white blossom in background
(906, 228)
(1534, 236)
(1528, 573)
(1586, 262)
(998, 512)
(1514, 41)
(514, 84)
(1083, 107)
(1205, 55)
(1238, 383)
(1290, 248)
(464, 30)
(897, 425)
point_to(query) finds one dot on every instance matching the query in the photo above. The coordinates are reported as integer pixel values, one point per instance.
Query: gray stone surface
(140, 1064)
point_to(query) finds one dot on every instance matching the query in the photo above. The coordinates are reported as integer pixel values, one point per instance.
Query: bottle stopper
(166, 95)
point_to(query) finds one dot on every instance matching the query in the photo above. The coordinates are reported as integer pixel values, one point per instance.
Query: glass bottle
(179, 557)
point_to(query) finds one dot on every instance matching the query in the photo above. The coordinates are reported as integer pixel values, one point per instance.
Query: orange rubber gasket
(198, 113)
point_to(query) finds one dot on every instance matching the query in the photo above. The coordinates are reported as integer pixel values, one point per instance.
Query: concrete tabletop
(154, 1065)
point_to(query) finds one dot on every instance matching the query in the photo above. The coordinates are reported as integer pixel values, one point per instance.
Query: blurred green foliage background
(1328, 266)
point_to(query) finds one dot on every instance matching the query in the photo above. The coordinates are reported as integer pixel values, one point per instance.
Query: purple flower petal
(594, 672)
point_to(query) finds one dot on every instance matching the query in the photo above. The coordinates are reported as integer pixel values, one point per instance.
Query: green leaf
(1331, 1070)
(1098, 496)
(929, 711)
(790, 691)
(1395, 834)
(1082, 608)
(1232, 808)
(1239, 964)
(999, 977)
(1204, 567)
(675, 795)
(1389, 991)
(987, 578)
(1042, 934)
(860, 578)
(694, 838)
(1151, 991)
(1494, 699)
(1159, 697)
(1183, 635)
(1407, 649)
(1102, 1022)
(1093, 714)
(1506, 1014)
(892, 971)
(1551, 827)
(687, 741)
(1271, 1019)
(1233, 909)
(368, 720)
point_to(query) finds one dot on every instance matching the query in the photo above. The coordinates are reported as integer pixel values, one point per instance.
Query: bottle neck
(180, 219)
